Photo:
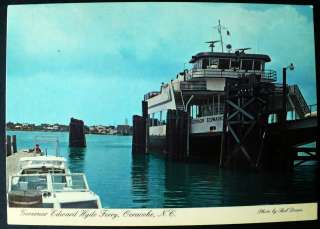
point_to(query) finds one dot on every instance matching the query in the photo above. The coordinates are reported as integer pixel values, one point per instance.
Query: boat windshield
(49, 182)
(42, 170)
(73, 182)
(41, 162)
(29, 183)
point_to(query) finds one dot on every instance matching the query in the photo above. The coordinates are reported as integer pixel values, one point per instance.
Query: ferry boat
(201, 92)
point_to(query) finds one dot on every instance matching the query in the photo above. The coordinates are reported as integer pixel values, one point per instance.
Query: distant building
(112, 131)
(123, 129)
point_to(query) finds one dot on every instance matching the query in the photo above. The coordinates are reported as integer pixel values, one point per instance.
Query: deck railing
(150, 95)
(269, 75)
(294, 90)
(312, 110)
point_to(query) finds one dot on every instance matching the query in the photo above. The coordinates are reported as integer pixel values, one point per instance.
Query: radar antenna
(211, 44)
(219, 27)
(241, 51)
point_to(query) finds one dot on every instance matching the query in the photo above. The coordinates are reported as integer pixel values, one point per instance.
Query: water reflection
(176, 184)
(76, 159)
(192, 184)
(241, 187)
(157, 182)
(123, 180)
(139, 179)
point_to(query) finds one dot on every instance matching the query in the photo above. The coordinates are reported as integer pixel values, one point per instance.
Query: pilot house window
(205, 63)
(214, 62)
(235, 64)
(247, 64)
(224, 63)
(257, 65)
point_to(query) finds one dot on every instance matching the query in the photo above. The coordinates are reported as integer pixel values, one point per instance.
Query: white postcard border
(165, 216)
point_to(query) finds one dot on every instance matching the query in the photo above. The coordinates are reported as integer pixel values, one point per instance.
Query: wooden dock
(12, 163)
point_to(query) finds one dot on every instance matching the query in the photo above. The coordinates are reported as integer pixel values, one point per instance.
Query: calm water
(148, 181)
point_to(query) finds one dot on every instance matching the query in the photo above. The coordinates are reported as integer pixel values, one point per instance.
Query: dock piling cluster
(177, 134)
(140, 135)
(11, 144)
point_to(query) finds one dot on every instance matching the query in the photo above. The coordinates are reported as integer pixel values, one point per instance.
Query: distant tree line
(95, 129)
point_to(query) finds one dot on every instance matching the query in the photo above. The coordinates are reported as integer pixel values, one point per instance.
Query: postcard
(160, 114)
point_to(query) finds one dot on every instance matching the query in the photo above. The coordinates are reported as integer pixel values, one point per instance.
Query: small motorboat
(51, 191)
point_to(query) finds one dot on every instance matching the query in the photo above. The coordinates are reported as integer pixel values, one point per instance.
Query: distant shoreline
(36, 130)
(62, 131)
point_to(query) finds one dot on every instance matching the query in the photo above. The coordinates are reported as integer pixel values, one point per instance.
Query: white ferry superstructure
(200, 91)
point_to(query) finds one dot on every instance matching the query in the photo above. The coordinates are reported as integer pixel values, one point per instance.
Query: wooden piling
(224, 130)
(77, 136)
(139, 138)
(8, 145)
(145, 109)
(14, 143)
(146, 124)
(177, 134)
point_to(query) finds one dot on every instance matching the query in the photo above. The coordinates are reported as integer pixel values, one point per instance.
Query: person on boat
(37, 149)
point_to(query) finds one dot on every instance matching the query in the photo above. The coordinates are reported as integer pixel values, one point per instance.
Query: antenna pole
(219, 30)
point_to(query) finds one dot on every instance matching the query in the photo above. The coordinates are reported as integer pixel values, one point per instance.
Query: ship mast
(219, 27)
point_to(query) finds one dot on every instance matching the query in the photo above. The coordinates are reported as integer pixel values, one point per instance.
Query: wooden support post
(223, 139)
(213, 106)
(261, 149)
(138, 138)
(188, 134)
(144, 109)
(284, 96)
(218, 104)
(146, 123)
(168, 132)
(14, 143)
(9, 152)
(177, 134)
(224, 125)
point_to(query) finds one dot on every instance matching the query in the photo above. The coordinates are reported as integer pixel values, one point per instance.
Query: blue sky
(96, 61)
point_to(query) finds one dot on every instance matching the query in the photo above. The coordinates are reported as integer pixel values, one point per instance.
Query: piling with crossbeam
(245, 121)
(248, 139)
(280, 148)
